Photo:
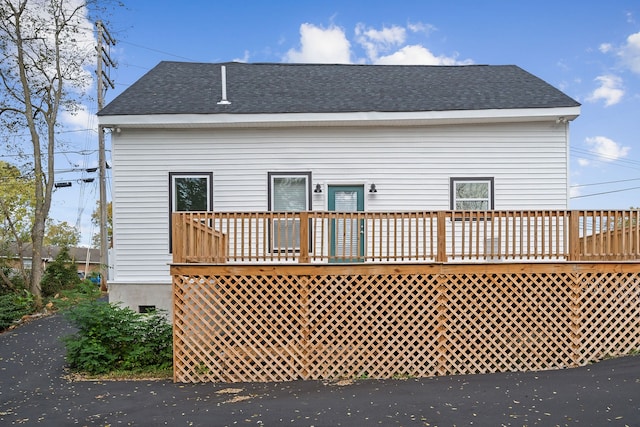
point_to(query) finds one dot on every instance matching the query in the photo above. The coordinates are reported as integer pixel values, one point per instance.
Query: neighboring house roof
(196, 88)
(49, 253)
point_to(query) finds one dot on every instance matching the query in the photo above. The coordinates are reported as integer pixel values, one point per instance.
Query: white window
(471, 194)
(288, 192)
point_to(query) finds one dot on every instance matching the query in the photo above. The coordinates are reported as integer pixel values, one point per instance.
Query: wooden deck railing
(609, 235)
(392, 237)
(197, 241)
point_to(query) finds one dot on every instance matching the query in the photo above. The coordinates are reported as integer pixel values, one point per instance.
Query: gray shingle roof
(195, 88)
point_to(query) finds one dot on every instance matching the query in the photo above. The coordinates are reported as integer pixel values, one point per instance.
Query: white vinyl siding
(410, 166)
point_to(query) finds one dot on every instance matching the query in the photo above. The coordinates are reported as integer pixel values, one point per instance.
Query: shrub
(60, 274)
(13, 280)
(112, 338)
(13, 306)
(67, 298)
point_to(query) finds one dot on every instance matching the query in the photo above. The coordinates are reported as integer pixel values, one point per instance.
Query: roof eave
(340, 119)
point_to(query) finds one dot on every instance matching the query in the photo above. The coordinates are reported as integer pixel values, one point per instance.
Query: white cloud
(605, 47)
(610, 90)
(387, 47)
(417, 55)
(245, 57)
(630, 53)
(381, 46)
(77, 50)
(606, 149)
(419, 27)
(583, 162)
(376, 41)
(320, 45)
(79, 120)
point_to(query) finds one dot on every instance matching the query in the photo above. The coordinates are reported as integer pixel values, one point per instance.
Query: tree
(46, 52)
(16, 204)
(60, 274)
(16, 219)
(95, 220)
(61, 234)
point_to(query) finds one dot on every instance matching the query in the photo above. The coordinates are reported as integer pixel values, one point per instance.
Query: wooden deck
(285, 296)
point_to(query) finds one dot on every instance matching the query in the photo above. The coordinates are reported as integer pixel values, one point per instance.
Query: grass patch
(150, 374)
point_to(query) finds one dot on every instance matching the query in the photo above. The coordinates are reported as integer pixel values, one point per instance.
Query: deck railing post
(304, 238)
(441, 248)
(177, 238)
(574, 235)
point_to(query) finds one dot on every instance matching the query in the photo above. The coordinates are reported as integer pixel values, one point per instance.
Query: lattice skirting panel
(287, 322)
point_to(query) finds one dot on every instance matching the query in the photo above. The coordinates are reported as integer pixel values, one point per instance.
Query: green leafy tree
(95, 220)
(16, 219)
(62, 273)
(46, 58)
(61, 234)
(16, 203)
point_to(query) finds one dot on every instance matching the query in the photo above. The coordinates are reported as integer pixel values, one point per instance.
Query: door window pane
(346, 229)
(346, 201)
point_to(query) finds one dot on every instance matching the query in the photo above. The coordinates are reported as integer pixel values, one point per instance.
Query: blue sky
(588, 49)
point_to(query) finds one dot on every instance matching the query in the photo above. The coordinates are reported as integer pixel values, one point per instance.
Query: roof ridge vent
(223, 75)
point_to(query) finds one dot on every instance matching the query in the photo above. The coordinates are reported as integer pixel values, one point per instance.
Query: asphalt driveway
(34, 390)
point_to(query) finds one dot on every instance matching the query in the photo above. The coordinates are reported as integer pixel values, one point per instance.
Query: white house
(259, 137)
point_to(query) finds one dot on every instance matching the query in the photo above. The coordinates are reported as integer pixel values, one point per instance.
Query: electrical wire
(604, 192)
(604, 182)
(156, 50)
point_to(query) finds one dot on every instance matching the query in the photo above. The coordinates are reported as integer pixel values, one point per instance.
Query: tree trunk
(37, 265)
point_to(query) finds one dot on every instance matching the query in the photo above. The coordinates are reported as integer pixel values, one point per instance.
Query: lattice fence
(290, 322)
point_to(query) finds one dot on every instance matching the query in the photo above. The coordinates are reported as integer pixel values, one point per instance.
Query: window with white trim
(288, 192)
(471, 194)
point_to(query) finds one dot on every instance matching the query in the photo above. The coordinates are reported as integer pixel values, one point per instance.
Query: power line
(158, 51)
(605, 182)
(604, 192)
(608, 159)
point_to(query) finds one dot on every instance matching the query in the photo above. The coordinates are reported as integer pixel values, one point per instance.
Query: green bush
(67, 298)
(60, 274)
(111, 338)
(14, 280)
(14, 306)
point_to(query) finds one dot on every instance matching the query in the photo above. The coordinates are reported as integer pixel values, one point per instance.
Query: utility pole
(104, 60)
